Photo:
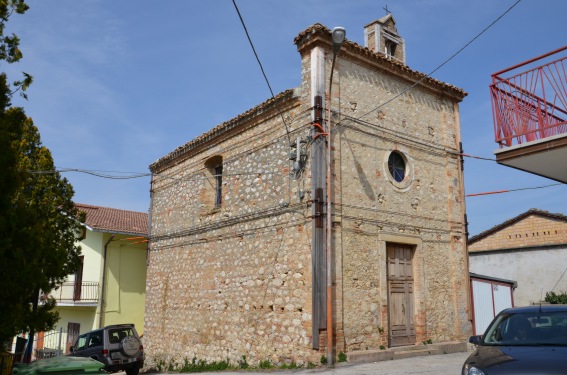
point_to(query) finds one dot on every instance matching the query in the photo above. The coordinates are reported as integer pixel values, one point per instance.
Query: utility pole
(338, 38)
(318, 194)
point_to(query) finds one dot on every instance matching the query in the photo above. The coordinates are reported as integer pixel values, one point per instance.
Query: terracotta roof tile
(531, 211)
(114, 220)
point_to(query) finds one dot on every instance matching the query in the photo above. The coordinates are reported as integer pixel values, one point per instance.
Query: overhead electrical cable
(260, 64)
(140, 175)
(339, 124)
(511, 190)
(97, 173)
(105, 174)
(438, 67)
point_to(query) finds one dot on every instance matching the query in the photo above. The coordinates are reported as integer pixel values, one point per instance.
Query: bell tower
(381, 36)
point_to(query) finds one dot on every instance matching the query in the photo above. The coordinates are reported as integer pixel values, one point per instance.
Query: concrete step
(365, 356)
(402, 354)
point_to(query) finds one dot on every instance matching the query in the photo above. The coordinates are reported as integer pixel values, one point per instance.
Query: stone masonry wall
(233, 281)
(371, 209)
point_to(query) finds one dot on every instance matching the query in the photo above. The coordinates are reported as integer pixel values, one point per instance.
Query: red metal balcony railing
(75, 292)
(531, 105)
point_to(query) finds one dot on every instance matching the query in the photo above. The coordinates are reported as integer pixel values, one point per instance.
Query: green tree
(556, 298)
(10, 44)
(39, 223)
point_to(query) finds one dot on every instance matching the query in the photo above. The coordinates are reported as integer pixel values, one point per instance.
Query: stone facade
(239, 278)
(529, 249)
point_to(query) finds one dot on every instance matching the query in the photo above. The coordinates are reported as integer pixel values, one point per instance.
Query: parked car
(522, 340)
(118, 347)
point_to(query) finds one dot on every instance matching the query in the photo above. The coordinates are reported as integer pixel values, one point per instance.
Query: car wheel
(130, 346)
(133, 370)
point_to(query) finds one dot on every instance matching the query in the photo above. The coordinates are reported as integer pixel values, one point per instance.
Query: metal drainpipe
(330, 333)
(330, 321)
(103, 280)
(150, 223)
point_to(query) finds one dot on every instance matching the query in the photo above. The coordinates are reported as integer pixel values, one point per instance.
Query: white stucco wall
(537, 271)
(91, 249)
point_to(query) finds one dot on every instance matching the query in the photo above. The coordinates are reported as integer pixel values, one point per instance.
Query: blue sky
(119, 84)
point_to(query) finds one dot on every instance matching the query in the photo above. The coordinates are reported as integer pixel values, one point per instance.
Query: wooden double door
(400, 294)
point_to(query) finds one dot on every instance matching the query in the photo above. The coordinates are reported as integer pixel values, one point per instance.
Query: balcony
(75, 294)
(530, 115)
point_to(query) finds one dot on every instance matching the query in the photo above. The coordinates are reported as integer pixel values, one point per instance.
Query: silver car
(118, 347)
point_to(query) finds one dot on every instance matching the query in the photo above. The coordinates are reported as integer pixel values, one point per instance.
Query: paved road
(433, 364)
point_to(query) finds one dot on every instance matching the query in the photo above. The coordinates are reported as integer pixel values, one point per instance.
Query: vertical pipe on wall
(150, 221)
(329, 255)
(463, 208)
(317, 192)
(338, 37)
(102, 284)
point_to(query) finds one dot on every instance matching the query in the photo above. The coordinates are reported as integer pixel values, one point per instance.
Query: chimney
(381, 36)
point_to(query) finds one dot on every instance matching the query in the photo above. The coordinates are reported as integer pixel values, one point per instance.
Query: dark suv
(117, 346)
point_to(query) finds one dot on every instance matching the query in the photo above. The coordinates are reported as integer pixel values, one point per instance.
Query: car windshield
(537, 328)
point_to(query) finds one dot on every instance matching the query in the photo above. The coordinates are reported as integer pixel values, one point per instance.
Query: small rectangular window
(390, 48)
(218, 186)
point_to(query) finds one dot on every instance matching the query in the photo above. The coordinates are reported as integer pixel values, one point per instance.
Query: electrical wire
(475, 157)
(140, 175)
(266, 213)
(267, 82)
(97, 173)
(339, 125)
(385, 132)
(438, 67)
(259, 63)
(512, 190)
(246, 144)
(257, 216)
(104, 174)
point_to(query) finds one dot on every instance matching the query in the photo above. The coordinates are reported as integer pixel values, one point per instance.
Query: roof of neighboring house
(113, 220)
(532, 211)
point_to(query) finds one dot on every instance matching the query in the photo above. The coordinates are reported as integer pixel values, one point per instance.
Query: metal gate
(489, 297)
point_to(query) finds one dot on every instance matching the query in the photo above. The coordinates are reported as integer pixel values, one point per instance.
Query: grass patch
(203, 366)
(266, 364)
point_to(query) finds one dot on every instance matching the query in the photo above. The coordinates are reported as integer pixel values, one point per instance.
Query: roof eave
(515, 219)
(318, 35)
(126, 233)
(262, 109)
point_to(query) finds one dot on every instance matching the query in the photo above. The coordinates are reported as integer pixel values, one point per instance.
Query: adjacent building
(263, 247)
(530, 249)
(109, 288)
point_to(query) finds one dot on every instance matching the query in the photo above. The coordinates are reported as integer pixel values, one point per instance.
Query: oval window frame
(405, 184)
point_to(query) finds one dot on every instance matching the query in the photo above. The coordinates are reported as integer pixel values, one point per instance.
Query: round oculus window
(397, 166)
